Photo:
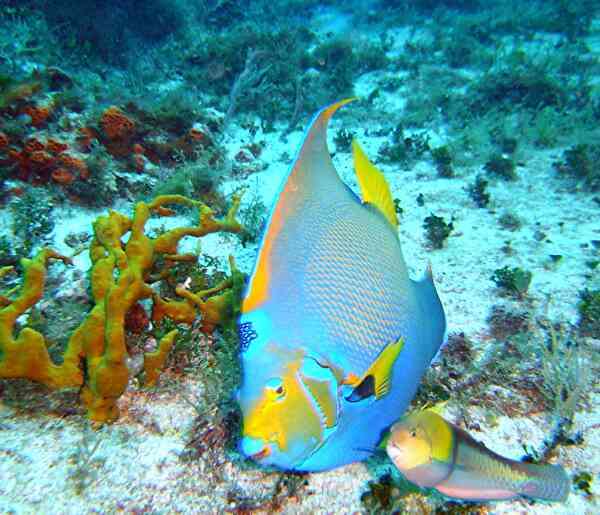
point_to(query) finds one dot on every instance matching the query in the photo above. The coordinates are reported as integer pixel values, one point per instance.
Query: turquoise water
(484, 121)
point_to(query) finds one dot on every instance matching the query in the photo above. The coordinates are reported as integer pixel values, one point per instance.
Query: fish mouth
(394, 451)
(255, 448)
(260, 455)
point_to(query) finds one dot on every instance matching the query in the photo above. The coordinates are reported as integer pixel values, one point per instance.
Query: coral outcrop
(38, 162)
(121, 275)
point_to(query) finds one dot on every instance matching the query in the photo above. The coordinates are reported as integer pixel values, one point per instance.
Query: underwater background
(485, 120)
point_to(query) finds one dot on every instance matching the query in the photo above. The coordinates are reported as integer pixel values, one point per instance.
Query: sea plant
(510, 221)
(343, 140)
(443, 161)
(505, 322)
(513, 281)
(404, 149)
(288, 486)
(573, 19)
(437, 230)
(508, 144)
(583, 481)
(252, 78)
(337, 56)
(252, 216)
(86, 464)
(398, 207)
(101, 188)
(455, 360)
(566, 372)
(192, 178)
(33, 220)
(589, 312)
(478, 192)
(520, 81)
(388, 495)
(501, 166)
(343, 61)
(547, 125)
(261, 81)
(107, 37)
(579, 161)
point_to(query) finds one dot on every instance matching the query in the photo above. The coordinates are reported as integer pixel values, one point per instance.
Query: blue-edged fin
(431, 312)
(374, 188)
(377, 380)
(311, 174)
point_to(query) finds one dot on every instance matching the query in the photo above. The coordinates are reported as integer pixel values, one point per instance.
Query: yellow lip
(262, 454)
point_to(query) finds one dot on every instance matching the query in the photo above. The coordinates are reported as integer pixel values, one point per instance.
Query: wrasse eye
(279, 390)
(413, 433)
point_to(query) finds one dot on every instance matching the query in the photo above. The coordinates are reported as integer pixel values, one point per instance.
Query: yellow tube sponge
(121, 275)
(26, 356)
(155, 361)
(218, 309)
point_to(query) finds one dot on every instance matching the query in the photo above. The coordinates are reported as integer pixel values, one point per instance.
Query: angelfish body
(433, 453)
(335, 336)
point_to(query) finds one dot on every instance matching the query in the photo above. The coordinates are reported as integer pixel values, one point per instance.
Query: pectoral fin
(377, 380)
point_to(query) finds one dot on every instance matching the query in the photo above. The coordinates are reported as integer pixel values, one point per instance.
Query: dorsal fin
(311, 168)
(373, 186)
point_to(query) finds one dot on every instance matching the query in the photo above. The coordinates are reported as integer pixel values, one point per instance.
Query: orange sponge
(116, 125)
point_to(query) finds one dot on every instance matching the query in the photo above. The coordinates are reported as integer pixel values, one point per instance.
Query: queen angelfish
(335, 336)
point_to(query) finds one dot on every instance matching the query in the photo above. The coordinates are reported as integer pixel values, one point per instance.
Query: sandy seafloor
(135, 465)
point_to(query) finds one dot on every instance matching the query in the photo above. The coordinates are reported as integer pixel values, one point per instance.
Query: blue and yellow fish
(335, 336)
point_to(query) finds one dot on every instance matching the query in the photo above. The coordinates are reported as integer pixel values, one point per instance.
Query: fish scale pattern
(352, 284)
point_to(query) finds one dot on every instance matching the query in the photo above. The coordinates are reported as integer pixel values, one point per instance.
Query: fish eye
(413, 433)
(276, 388)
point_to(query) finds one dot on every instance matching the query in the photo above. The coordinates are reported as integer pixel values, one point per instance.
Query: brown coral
(33, 145)
(55, 147)
(85, 137)
(39, 162)
(75, 164)
(118, 130)
(19, 93)
(41, 159)
(139, 163)
(39, 114)
(191, 141)
(116, 125)
(62, 176)
(136, 319)
(37, 166)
